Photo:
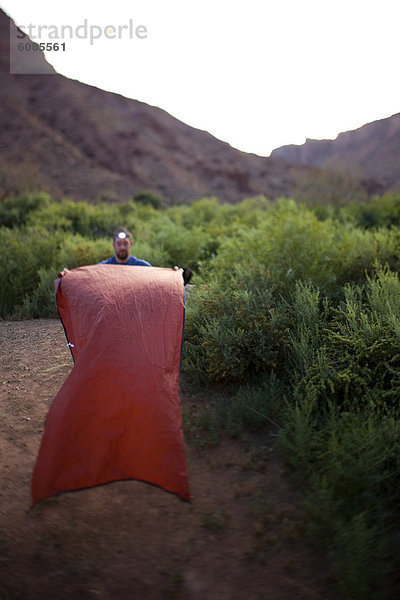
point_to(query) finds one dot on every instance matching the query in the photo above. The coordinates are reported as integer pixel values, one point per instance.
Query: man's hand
(62, 273)
(186, 274)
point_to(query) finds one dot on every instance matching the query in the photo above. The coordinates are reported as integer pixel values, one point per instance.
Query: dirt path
(241, 538)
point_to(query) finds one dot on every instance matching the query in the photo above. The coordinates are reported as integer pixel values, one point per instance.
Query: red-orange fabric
(117, 416)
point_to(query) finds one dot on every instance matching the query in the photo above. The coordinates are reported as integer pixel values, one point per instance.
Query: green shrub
(235, 329)
(15, 211)
(23, 253)
(255, 406)
(77, 217)
(308, 318)
(362, 558)
(149, 198)
(383, 211)
(349, 467)
(41, 303)
(77, 251)
(294, 245)
(358, 362)
(289, 241)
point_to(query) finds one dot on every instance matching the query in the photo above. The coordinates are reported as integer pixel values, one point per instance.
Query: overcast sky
(255, 73)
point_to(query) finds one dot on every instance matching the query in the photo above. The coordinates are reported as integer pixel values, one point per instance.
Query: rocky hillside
(78, 141)
(374, 148)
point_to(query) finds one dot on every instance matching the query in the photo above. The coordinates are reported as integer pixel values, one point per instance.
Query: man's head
(122, 242)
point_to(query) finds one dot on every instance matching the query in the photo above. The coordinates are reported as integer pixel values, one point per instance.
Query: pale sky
(257, 74)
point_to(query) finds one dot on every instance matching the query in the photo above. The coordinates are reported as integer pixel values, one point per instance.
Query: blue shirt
(132, 261)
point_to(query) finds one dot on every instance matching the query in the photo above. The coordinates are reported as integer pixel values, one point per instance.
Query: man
(122, 243)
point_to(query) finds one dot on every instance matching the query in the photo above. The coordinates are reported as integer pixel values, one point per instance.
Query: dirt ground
(241, 538)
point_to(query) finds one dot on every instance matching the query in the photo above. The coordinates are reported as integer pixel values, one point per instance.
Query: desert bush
(259, 269)
(255, 406)
(382, 211)
(77, 217)
(290, 241)
(358, 360)
(349, 467)
(15, 211)
(41, 303)
(362, 557)
(359, 253)
(181, 246)
(309, 315)
(149, 198)
(77, 251)
(235, 328)
(23, 252)
(296, 246)
(341, 432)
(231, 411)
